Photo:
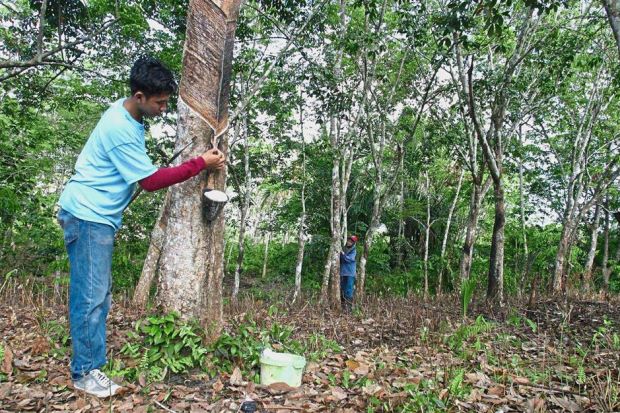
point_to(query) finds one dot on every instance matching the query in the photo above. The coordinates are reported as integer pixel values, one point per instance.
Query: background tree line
(470, 145)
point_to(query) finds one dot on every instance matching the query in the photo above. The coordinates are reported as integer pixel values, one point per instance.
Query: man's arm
(345, 257)
(164, 177)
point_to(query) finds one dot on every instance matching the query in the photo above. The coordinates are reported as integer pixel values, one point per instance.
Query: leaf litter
(398, 355)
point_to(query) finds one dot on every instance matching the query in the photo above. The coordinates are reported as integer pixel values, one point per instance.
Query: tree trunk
(377, 154)
(559, 276)
(330, 289)
(191, 262)
(612, 7)
(149, 270)
(301, 239)
(523, 229)
(266, 256)
(427, 230)
(446, 233)
(495, 288)
(478, 194)
(336, 240)
(244, 209)
(401, 221)
(368, 239)
(605, 265)
(587, 272)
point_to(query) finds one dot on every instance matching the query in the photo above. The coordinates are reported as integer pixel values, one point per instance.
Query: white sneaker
(97, 384)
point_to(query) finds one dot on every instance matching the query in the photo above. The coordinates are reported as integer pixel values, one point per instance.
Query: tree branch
(40, 58)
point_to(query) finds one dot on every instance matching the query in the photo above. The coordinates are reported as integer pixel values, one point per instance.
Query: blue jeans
(347, 284)
(89, 245)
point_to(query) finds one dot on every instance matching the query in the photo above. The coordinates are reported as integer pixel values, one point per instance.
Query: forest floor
(394, 354)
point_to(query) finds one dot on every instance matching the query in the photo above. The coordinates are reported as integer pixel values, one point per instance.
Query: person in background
(347, 273)
(112, 162)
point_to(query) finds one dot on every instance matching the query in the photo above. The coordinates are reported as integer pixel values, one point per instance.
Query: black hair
(149, 76)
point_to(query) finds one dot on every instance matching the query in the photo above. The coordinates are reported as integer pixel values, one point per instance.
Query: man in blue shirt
(112, 161)
(347, 274)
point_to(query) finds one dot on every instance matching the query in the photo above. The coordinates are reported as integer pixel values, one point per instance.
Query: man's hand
(214, 159)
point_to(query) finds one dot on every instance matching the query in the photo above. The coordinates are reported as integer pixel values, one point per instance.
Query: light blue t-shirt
(112, 161)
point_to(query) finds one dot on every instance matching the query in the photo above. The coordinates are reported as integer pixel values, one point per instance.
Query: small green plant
(466, 331)
(58, 335)
(346, 379)
(422, 397)
(161, 344)
(532, 325)
(456, 385)
(467, 292)
(606, 337)
(318, 347)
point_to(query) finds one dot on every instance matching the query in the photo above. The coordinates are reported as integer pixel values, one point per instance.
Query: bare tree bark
(301, 238)
(605, 264)
(587, 271)
(266, 254)
(330, 289)
(401, 220)
(244, 208)
(41, 30)
(493, 144)
(522, 210)
(446, 233)
(612, 7)
(478, 194)
(427, 228)
(149, 269)
(375, 217)
(191, 262)
(578, 184)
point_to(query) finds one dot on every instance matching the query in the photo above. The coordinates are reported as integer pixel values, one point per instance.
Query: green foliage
(467, 291)
(164, 344)
(467, 331)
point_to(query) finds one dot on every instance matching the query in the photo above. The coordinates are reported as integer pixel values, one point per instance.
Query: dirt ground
(397, 354)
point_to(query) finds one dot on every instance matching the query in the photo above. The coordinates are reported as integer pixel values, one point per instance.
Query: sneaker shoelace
(102, 378)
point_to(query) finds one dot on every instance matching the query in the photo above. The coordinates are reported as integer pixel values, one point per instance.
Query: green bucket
(281, 368)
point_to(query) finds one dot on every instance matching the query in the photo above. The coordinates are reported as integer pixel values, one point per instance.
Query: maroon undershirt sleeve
(164, 177)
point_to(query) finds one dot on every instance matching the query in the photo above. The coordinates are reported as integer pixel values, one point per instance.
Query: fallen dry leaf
(535, 405)
(7, 362)
(217, 386)
(236, 379)
(279, 388)
(566, 404)
(338, 393)
(521, 380)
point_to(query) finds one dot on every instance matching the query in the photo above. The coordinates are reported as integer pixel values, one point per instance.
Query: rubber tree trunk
(336, 240)
(495, 286)
(446, 233)
(244, 209)
(266, 255)
(191, 262)
(587, 271)
(612, 7)
(330, 287)
(301, 238)
(605, 265)
(368, 239)
(149, 270)
(377, 149)
(523, 228)
(477, 196)
(559, 279)
(400, 241)
(427, 230)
